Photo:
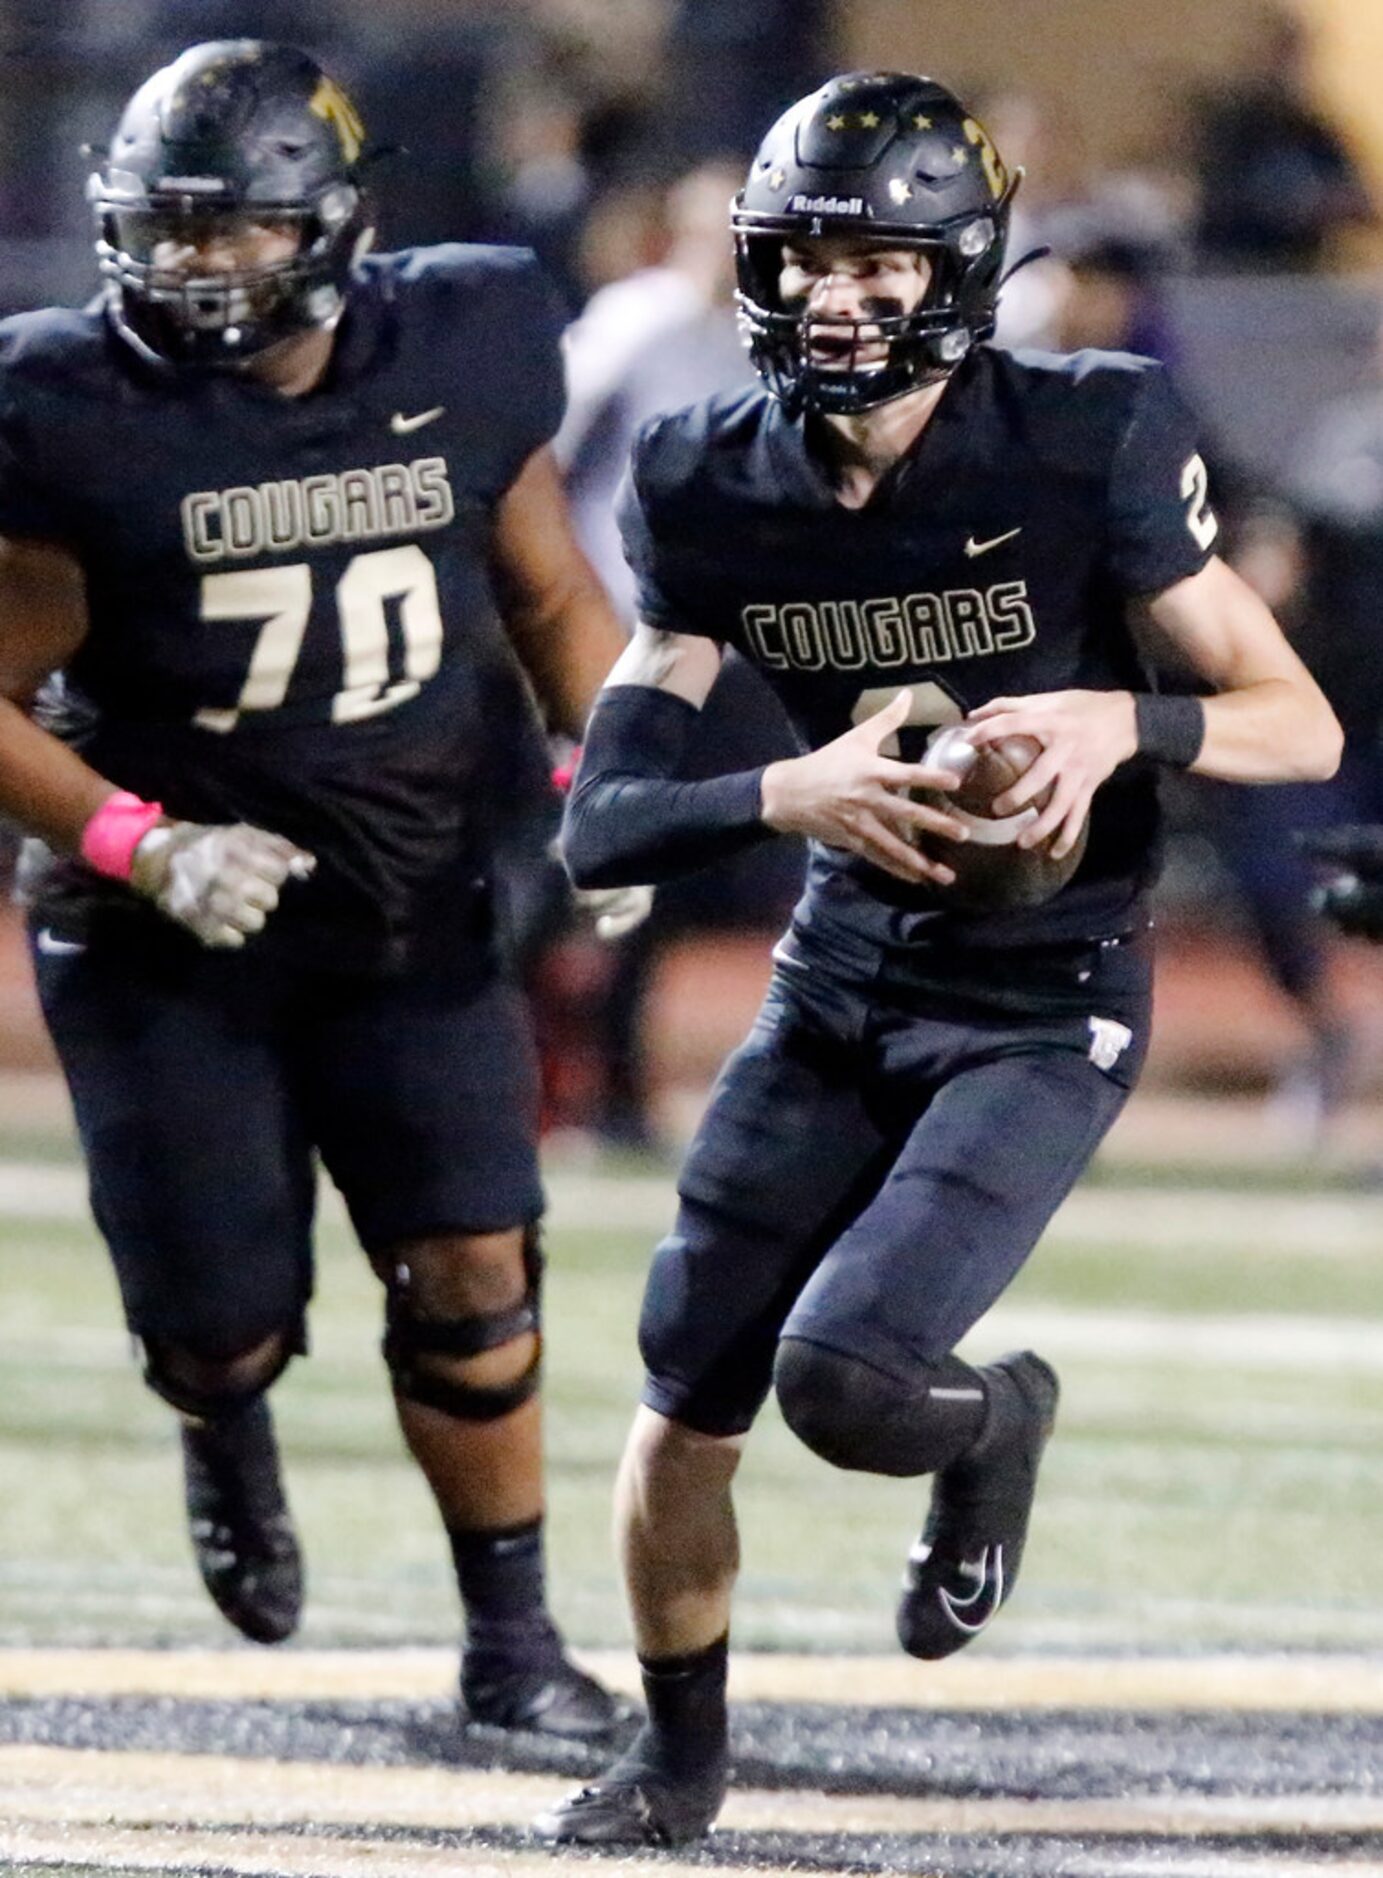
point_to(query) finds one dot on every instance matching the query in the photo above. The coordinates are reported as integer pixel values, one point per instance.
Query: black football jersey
(290, 615)
(995, 559)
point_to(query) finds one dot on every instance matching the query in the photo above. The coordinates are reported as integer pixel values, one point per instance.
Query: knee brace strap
(464, 1401)
(408, 1337)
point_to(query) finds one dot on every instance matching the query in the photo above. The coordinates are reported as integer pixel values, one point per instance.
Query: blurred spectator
(427, 77)
(1110, 300)
(660, 339)
(650, 343)
(1276, 178)
(1021, 125)
(1113, 301)
(1066, 205)
(733, 65)
(564, 147)
(1336, 484)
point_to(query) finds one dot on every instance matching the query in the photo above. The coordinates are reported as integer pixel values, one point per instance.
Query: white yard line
(1335, 1225)
(50, 1786)
(1328, 1225)
(1332, 1225)
(274, 1855)
(1287, 1683)
(1295, 1345)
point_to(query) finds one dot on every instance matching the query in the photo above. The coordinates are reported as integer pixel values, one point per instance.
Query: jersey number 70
(282, 598)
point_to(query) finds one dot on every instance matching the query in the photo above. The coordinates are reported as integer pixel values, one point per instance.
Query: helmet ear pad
(889, 158)
(253, 132)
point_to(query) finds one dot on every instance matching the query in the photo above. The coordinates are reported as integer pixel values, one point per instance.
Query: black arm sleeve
(630, 821)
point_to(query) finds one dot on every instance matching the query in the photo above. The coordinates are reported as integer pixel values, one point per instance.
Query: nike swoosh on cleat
(54, 948)
(973, 547)
(972, 1614)
(401, 425)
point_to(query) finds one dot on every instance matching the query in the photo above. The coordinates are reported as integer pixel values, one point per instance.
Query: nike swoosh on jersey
(52, 947)
(973, 547)
(973, 1613)
(401, 425)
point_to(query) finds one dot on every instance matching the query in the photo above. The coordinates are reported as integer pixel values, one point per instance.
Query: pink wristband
(565, 774)
(116, 830)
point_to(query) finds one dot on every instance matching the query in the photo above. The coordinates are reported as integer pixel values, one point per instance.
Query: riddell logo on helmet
(827, 205)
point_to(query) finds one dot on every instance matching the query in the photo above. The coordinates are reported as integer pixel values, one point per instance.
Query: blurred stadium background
(1210, 182)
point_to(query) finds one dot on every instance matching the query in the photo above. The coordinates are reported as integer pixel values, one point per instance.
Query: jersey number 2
(282, 598)
(1195, 493)
(931, 707)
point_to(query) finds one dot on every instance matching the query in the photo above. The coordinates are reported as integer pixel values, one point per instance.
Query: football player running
(905, 527)
(252, 504)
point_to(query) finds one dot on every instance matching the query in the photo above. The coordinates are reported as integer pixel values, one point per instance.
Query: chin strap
(1024, 260)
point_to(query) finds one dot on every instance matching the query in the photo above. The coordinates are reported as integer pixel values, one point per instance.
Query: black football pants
(873, 1170)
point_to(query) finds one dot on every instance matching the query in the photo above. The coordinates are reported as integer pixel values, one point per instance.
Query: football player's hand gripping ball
(221, 883)
(1085, 736)
(849, 795)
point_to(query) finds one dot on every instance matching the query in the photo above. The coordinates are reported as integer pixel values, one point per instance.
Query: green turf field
(1215, 1481)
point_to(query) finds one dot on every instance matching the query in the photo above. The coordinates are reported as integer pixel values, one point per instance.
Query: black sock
(501, 1579)
(1003, 1400)
(687, 1726)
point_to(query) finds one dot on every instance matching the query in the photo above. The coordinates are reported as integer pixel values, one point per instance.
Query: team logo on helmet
(332, 105)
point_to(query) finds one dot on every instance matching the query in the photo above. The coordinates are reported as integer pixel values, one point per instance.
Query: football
(992, 873)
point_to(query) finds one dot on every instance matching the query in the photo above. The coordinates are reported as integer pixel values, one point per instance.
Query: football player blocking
(250, 504)
(905, 528)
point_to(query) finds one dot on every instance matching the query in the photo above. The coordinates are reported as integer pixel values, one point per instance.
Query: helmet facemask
(920, 347)
(184, 314)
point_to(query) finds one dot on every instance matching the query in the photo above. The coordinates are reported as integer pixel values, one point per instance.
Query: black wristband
(1171, 727)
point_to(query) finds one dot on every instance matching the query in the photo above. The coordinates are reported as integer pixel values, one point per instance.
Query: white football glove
(615, 910)
(220, 882)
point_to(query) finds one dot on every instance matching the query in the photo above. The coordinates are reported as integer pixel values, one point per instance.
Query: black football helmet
(234, 133)
(897, 159)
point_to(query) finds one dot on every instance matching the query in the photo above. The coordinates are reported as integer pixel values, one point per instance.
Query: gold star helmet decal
(921, 122)
(869, 120)
(899, 191)
(958, 155)
(777, 178)
(838, 122)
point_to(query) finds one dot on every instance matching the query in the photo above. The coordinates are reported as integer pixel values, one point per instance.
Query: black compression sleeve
(630, 821)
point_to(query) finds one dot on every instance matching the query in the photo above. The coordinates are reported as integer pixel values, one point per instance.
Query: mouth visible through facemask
(840, 344)
(844, 345)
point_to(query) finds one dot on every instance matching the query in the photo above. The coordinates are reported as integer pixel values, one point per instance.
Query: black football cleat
(635, 1803)
(556, 1698)
(965, 1564)
(241, 1530)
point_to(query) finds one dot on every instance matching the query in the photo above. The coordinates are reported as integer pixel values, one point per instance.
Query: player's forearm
(560, 619)
(1277, 730)
(591, 639)
(45, 787)
(630, 819)
(1266, 719)
(567, 650)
